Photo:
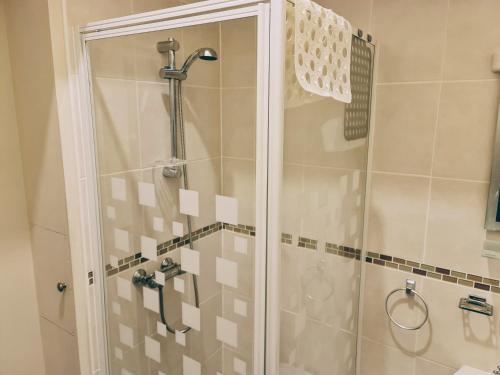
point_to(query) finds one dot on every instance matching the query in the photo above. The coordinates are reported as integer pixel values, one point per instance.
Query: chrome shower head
(207, 54)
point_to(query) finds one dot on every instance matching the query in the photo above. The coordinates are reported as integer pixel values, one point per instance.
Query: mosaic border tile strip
(175, 243)
(380, 259)
(435, 272)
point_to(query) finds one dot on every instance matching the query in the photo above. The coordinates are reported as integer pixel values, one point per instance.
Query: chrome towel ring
(410, 291)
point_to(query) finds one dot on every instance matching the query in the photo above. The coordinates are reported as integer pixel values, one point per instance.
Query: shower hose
(186, 186)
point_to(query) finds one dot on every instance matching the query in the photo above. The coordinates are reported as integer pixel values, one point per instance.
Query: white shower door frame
(91, 312)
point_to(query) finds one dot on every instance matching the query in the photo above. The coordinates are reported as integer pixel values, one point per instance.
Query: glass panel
(325, 155)
(184, 228)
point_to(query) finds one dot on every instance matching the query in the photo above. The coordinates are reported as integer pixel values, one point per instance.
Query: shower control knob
(61, 286)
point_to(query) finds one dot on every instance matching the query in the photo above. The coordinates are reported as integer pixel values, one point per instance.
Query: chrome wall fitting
(476, 304)
(61, 286)
(410, 291)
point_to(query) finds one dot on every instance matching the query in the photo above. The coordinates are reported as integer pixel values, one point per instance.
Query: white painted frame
(91, 317)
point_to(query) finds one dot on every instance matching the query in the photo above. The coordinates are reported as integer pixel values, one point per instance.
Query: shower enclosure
(228, 219)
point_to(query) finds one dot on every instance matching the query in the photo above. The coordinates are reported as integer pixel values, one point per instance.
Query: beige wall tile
(115, 107)
(456, 225)
(313, 282)
(410, 39)
(238, 181)
(205, 178)
(113, 57)
(154, 122)
(238, 122)
(202, 122)
(292, 199)
(405, 122)
(19, 312)
(37, 119)
(129, 214)
(51, 257)
(314, 134)
(140, 6)
(81, 12)
(55, 342)
(245, 324)
(472, 337)
(380, 281)
(333, 205)
(423, 367)
(308, 345)
(464, 141)
(357, 12)
(245, 264)
(203, 73)
(472, 39)
(239, 53)
(384, 360)
(397, 215)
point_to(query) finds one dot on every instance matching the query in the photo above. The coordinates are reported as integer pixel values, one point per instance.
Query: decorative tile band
(435, 272)
(240, 228)
(308, 243)
(421, 269)
(175, 243)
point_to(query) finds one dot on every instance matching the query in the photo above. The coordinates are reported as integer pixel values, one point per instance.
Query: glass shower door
(176, 167)
(324, 174)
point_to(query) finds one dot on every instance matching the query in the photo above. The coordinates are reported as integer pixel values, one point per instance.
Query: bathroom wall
(435, 114)
(38, 127)
(20, 336)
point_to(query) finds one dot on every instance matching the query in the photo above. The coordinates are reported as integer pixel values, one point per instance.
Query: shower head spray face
(207, 54)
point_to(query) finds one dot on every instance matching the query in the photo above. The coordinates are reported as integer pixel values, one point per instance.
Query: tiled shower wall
(435, 114)
(219, 110)
(38, 127)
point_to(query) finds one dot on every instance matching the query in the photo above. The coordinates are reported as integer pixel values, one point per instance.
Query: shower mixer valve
(169, 268)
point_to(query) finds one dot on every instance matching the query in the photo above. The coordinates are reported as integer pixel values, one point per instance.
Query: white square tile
(124, 288)
(150, 299)
(158, 224)
(179, 284)
(190, 261)
(240, 245)
(122, 240)
(126, 372)
(239, 366)
(118, 353)
(111, 212)
(161, 329)
(177, 229)
(118, 189)
(116, 308)
(226, 209)
(126, 335)
(160, 277)
(191, 316)
(226, 272)
(149, 248)
(152, 349)
(113, 261)
(240, 307)
(180, 338)
(227, 332)
(189, 202)
(147, 195)
(190, 366)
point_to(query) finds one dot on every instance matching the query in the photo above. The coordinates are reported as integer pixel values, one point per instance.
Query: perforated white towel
(322, 51)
